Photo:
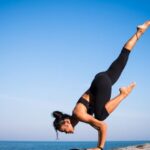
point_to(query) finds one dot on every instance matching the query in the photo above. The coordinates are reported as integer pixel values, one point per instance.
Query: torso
(80, 108)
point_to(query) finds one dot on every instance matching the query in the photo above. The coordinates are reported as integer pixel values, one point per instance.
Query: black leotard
(101, 87)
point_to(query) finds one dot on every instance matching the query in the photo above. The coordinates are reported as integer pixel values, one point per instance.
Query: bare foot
(127, 90)
(142, 28)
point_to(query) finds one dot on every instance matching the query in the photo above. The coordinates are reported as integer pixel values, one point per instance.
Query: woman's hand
(93, 148)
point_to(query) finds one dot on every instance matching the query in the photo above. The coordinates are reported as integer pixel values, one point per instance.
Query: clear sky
(49, 54)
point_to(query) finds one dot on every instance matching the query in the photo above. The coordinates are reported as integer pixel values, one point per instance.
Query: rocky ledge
(136, 147)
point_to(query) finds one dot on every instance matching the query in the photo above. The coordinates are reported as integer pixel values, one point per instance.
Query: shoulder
(79, 110)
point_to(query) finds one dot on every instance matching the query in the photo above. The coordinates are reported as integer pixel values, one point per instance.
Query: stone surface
(136, 147)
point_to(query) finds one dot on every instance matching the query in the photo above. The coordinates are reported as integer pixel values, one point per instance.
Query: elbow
(103, 127)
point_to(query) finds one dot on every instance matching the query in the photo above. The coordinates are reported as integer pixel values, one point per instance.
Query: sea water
(18, 145)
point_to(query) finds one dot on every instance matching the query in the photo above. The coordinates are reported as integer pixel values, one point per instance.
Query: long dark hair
(59, 119)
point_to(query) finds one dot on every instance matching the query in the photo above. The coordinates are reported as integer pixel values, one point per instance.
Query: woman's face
(66, 126)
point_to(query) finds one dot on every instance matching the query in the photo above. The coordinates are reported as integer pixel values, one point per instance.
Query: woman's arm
(99, 125)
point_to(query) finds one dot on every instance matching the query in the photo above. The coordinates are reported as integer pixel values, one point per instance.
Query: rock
(136, 147)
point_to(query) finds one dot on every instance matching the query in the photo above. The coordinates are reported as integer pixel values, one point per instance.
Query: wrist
(100, 147)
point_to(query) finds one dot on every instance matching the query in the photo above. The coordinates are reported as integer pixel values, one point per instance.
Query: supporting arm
(100, 126)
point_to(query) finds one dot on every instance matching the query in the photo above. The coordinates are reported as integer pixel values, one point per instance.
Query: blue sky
(49, 54)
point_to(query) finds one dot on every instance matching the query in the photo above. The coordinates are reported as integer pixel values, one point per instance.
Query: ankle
(142, 28)
(123, 93)
(138, 34)
(99, 147)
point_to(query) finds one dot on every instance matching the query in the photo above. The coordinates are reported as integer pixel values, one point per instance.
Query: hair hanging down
(59, 118)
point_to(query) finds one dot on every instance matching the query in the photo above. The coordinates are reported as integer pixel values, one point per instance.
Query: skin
(79, 113)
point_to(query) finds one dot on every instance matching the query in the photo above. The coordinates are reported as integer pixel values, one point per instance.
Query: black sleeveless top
(89, 106)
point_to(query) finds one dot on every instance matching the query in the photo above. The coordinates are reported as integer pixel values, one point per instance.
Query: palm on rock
(93, 149)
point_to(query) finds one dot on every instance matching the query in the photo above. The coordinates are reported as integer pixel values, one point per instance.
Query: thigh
(101, 90)
(116, 68)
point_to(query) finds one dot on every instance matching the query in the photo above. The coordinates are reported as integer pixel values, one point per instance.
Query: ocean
(26, 145)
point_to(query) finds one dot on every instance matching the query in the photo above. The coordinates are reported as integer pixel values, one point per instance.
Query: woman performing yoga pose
(95, 104)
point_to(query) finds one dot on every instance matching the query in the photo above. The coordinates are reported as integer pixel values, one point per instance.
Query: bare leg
(124, 92)
(140, 30)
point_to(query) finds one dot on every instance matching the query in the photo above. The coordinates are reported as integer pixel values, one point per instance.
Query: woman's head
(62, 122)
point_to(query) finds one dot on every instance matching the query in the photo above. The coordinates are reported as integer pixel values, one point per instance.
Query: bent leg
(124, 92)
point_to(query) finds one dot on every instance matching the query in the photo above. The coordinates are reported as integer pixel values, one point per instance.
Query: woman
(96, 100)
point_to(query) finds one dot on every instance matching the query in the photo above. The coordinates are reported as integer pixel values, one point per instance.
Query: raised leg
(140, 30)
(113, 103)
(116, 68)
